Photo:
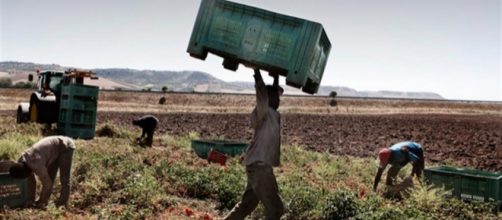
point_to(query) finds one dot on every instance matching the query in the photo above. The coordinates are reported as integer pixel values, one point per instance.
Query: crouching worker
(262, 154)
(44, 159)
(398, 155)
(148, 123)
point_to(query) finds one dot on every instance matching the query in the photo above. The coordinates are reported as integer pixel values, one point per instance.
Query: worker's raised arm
(261, 95)
(276, 81)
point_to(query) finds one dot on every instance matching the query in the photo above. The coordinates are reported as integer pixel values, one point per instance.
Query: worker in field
(44, 159)
(262, 154)
(398, 155)
(148, 123)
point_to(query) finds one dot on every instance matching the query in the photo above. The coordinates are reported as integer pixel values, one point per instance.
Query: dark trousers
(149, 137)
(63, 164)
(420, 166)
(417, 169)
(261, 186)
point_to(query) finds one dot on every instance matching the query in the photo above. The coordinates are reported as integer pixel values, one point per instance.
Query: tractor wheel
(34, 112)
(22, 115)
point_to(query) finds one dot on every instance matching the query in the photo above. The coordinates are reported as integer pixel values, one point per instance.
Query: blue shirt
(398, 158)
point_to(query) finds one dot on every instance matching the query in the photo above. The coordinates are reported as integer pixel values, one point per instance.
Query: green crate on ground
(469, 184)
(13, 192)
(230, 148)
(290, 46)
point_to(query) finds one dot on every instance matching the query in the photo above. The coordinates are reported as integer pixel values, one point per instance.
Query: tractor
(45, 103)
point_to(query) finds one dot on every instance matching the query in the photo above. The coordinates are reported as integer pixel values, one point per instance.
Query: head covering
(384, 157)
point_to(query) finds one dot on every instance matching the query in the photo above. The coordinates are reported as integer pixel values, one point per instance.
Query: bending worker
(262, 154)
(148, 123)
(398, 155)
(44, 159)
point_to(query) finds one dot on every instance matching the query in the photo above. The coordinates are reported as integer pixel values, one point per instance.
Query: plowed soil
(464, 140)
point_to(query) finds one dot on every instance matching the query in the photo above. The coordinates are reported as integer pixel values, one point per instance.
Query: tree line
(7, 83)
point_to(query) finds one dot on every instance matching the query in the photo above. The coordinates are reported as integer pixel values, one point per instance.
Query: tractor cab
(49, 82)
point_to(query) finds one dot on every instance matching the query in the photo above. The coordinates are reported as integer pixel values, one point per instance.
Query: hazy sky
(451, 47)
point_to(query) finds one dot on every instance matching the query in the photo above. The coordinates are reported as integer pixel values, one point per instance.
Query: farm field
(457, 132)
(456, 139)
(326, 152)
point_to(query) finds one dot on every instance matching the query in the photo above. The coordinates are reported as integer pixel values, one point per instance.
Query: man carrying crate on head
(398, 155)
(263, 154)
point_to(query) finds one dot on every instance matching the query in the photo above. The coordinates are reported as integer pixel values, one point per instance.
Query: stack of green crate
(467, 183)
(77, 111)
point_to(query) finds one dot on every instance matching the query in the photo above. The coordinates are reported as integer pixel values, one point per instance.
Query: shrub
(341, 205)
(425, 197)
(106, 131)
(457, 209)
(388, 214)
(332, 94)
(112, 131)
(370, 205)
(230, 185)
(143, 190)
(26, 85)
(333, 102)
(301, 202)
(13, 144)
(5, 82)
(198, 184)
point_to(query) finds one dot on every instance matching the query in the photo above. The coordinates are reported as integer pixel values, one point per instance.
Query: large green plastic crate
(77, 112)
(13, 192)
(467, 183)
(230, 148)
(79, 90)
(290, 46)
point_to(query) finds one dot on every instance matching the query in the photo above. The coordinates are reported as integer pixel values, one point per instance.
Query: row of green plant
(113, 178)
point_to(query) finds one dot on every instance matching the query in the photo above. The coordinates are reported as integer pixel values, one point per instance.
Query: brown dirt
(463, 133)
(465, 140)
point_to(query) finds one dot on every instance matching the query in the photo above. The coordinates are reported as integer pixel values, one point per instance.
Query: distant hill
(114, 78)
(174, 80)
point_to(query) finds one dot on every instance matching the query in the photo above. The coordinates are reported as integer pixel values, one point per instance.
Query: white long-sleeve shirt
(266, 143)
